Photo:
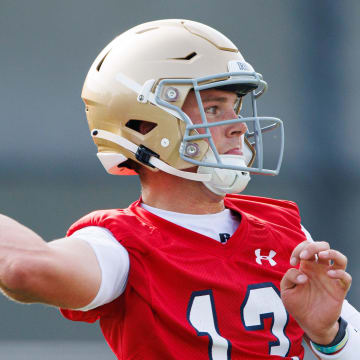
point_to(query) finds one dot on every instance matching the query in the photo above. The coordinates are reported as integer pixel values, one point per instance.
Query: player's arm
(62, 273)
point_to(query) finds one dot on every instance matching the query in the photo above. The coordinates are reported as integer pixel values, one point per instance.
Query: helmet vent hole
(141, 126)
(102, 60)
(187, 57)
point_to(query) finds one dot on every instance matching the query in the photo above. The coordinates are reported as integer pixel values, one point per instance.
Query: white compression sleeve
(113, 260)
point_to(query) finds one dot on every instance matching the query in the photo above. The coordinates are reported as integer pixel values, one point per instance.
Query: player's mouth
(234, 151)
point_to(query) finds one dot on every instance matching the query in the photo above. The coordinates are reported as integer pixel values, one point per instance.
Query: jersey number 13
(261, 301)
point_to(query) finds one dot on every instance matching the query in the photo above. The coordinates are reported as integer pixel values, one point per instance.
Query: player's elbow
(22, 276)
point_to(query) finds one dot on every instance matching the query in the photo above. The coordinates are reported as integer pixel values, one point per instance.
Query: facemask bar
(255, 137)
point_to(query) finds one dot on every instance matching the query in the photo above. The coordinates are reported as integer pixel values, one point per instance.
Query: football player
(190, 270)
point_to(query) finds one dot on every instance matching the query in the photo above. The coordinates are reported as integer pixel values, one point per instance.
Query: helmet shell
(164, 49)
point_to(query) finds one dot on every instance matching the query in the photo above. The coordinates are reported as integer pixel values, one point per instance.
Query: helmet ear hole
(141, 126)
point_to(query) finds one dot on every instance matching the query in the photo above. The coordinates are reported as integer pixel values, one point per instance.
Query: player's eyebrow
(208, 98)
(222, 99)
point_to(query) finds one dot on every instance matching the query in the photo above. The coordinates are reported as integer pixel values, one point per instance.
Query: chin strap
(225, 181)
(111, 160)
(219, 181)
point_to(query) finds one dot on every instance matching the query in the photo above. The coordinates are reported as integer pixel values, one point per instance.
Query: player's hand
(314, 293)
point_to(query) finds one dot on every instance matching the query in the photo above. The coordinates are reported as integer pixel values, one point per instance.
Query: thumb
(292, 278)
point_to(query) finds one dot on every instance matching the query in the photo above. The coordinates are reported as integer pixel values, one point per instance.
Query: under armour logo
(269, 257)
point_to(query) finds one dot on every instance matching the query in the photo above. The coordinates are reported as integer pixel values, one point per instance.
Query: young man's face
(219, 105)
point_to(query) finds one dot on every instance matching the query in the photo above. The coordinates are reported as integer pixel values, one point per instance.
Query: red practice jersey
(191, 297)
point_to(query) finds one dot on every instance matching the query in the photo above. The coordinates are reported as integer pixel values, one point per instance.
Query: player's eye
(212, 110)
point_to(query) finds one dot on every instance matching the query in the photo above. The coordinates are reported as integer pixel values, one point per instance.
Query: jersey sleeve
(113, 260)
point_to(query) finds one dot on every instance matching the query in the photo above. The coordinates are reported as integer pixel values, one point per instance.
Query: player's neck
(167, 192)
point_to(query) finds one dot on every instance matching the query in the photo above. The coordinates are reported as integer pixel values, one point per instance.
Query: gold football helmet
(144, 76)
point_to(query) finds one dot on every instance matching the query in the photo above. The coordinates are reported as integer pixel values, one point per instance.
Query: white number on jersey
(261, 301)
(202, 317)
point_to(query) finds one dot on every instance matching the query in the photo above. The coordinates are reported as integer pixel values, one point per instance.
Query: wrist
(327, 337)
(337, 343)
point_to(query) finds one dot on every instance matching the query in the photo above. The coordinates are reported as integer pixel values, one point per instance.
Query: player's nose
(236, 129)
